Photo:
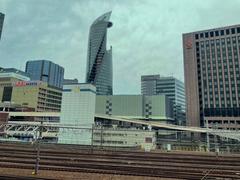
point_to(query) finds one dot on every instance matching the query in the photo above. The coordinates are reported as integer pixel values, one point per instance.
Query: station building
(120, 137)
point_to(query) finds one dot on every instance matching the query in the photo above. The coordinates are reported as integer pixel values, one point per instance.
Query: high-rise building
(1, 23)
(169, 86)
(46, 71)
(212, 77)
(149, 84)
(99, 59)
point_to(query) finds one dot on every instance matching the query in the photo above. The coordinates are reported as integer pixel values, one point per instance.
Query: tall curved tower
(99, 59)
(1, 23)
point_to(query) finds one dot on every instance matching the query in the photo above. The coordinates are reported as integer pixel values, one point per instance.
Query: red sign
(26, 83)
(189, 44)
(20, 83)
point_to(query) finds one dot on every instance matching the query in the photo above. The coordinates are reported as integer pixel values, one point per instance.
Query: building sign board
(26, 83)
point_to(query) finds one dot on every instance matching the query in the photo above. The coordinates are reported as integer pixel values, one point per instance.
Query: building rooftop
(45, 60)
(214, 29)
(150, 77)
(158, 77)
(13, 70)
(70, 81)
(104, 18)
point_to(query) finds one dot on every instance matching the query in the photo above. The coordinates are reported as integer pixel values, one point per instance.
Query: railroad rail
(168, 165)
(6, 177)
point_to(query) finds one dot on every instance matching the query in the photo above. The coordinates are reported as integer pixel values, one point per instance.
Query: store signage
(26, 83)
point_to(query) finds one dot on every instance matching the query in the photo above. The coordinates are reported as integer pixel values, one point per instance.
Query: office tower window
(196, 36)
(227, 31)
(206, 34)
(211, 34)
(7, 94)
(222, 32)
(238, 29)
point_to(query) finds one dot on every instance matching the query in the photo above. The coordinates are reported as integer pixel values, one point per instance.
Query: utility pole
(216, 141)
(38, 140)
(37, 158)
(101, 136)
(208, 140)
(92, 138)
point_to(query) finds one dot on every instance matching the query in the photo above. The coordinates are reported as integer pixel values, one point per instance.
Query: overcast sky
(146, 35)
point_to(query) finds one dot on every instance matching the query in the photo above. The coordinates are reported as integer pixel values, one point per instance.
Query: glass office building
(99, 59)
(1, 23)
(46, 71)
(169, 86)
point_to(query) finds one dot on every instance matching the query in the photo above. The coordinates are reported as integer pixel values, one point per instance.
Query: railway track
(168, 165)
(119, 156)
(133, 161)
(21, 178)
(76, 151)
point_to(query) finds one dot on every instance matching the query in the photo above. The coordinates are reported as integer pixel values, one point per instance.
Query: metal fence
(119, 138)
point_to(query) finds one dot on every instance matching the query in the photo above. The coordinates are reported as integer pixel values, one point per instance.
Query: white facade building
(78, 108)
(120, 137)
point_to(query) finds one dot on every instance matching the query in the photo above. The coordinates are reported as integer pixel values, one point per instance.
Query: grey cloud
(146, 35)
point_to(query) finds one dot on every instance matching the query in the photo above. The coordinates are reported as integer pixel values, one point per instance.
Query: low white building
(120, 137)
(78, 109)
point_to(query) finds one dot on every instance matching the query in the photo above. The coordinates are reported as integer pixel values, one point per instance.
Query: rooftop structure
(12, 74)
(70, 81)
